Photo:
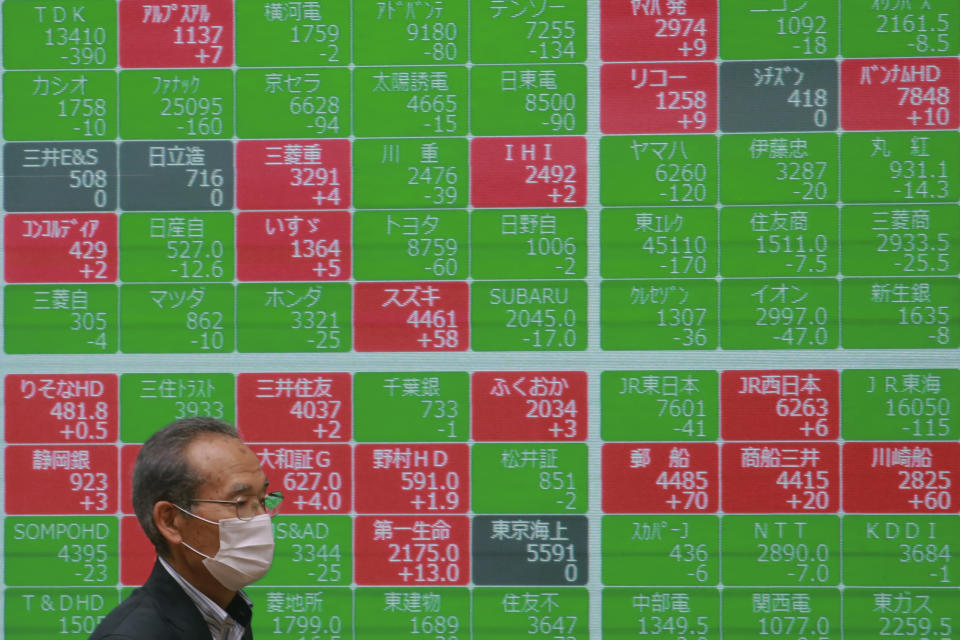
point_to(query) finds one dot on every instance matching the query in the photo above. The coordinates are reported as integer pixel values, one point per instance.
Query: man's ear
(167, 519)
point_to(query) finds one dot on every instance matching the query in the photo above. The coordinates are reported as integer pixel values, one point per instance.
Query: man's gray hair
(163, 473)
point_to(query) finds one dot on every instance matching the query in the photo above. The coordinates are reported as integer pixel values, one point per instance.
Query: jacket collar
(177, 607)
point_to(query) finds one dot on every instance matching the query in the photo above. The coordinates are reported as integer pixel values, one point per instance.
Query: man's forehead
(226, 464)
(218, 446)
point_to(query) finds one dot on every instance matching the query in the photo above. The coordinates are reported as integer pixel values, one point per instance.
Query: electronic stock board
(551, 318)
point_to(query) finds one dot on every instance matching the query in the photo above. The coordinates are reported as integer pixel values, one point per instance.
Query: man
(201, 498)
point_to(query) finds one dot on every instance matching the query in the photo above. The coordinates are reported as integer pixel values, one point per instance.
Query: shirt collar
(240, 608)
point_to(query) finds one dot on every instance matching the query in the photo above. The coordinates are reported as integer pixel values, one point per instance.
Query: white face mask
(246, 550)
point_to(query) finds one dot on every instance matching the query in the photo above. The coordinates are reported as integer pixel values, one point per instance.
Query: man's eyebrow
(240, 489)
(245, 488)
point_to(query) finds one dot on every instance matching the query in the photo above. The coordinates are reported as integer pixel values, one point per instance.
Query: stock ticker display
(552, 319)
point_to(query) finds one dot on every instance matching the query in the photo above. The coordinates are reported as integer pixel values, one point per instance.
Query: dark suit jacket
(161, 610)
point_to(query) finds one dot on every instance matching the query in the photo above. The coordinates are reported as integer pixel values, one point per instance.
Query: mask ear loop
(193, 515)
(184, 542)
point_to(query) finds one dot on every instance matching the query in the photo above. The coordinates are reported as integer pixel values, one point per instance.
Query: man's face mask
(246, 550)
